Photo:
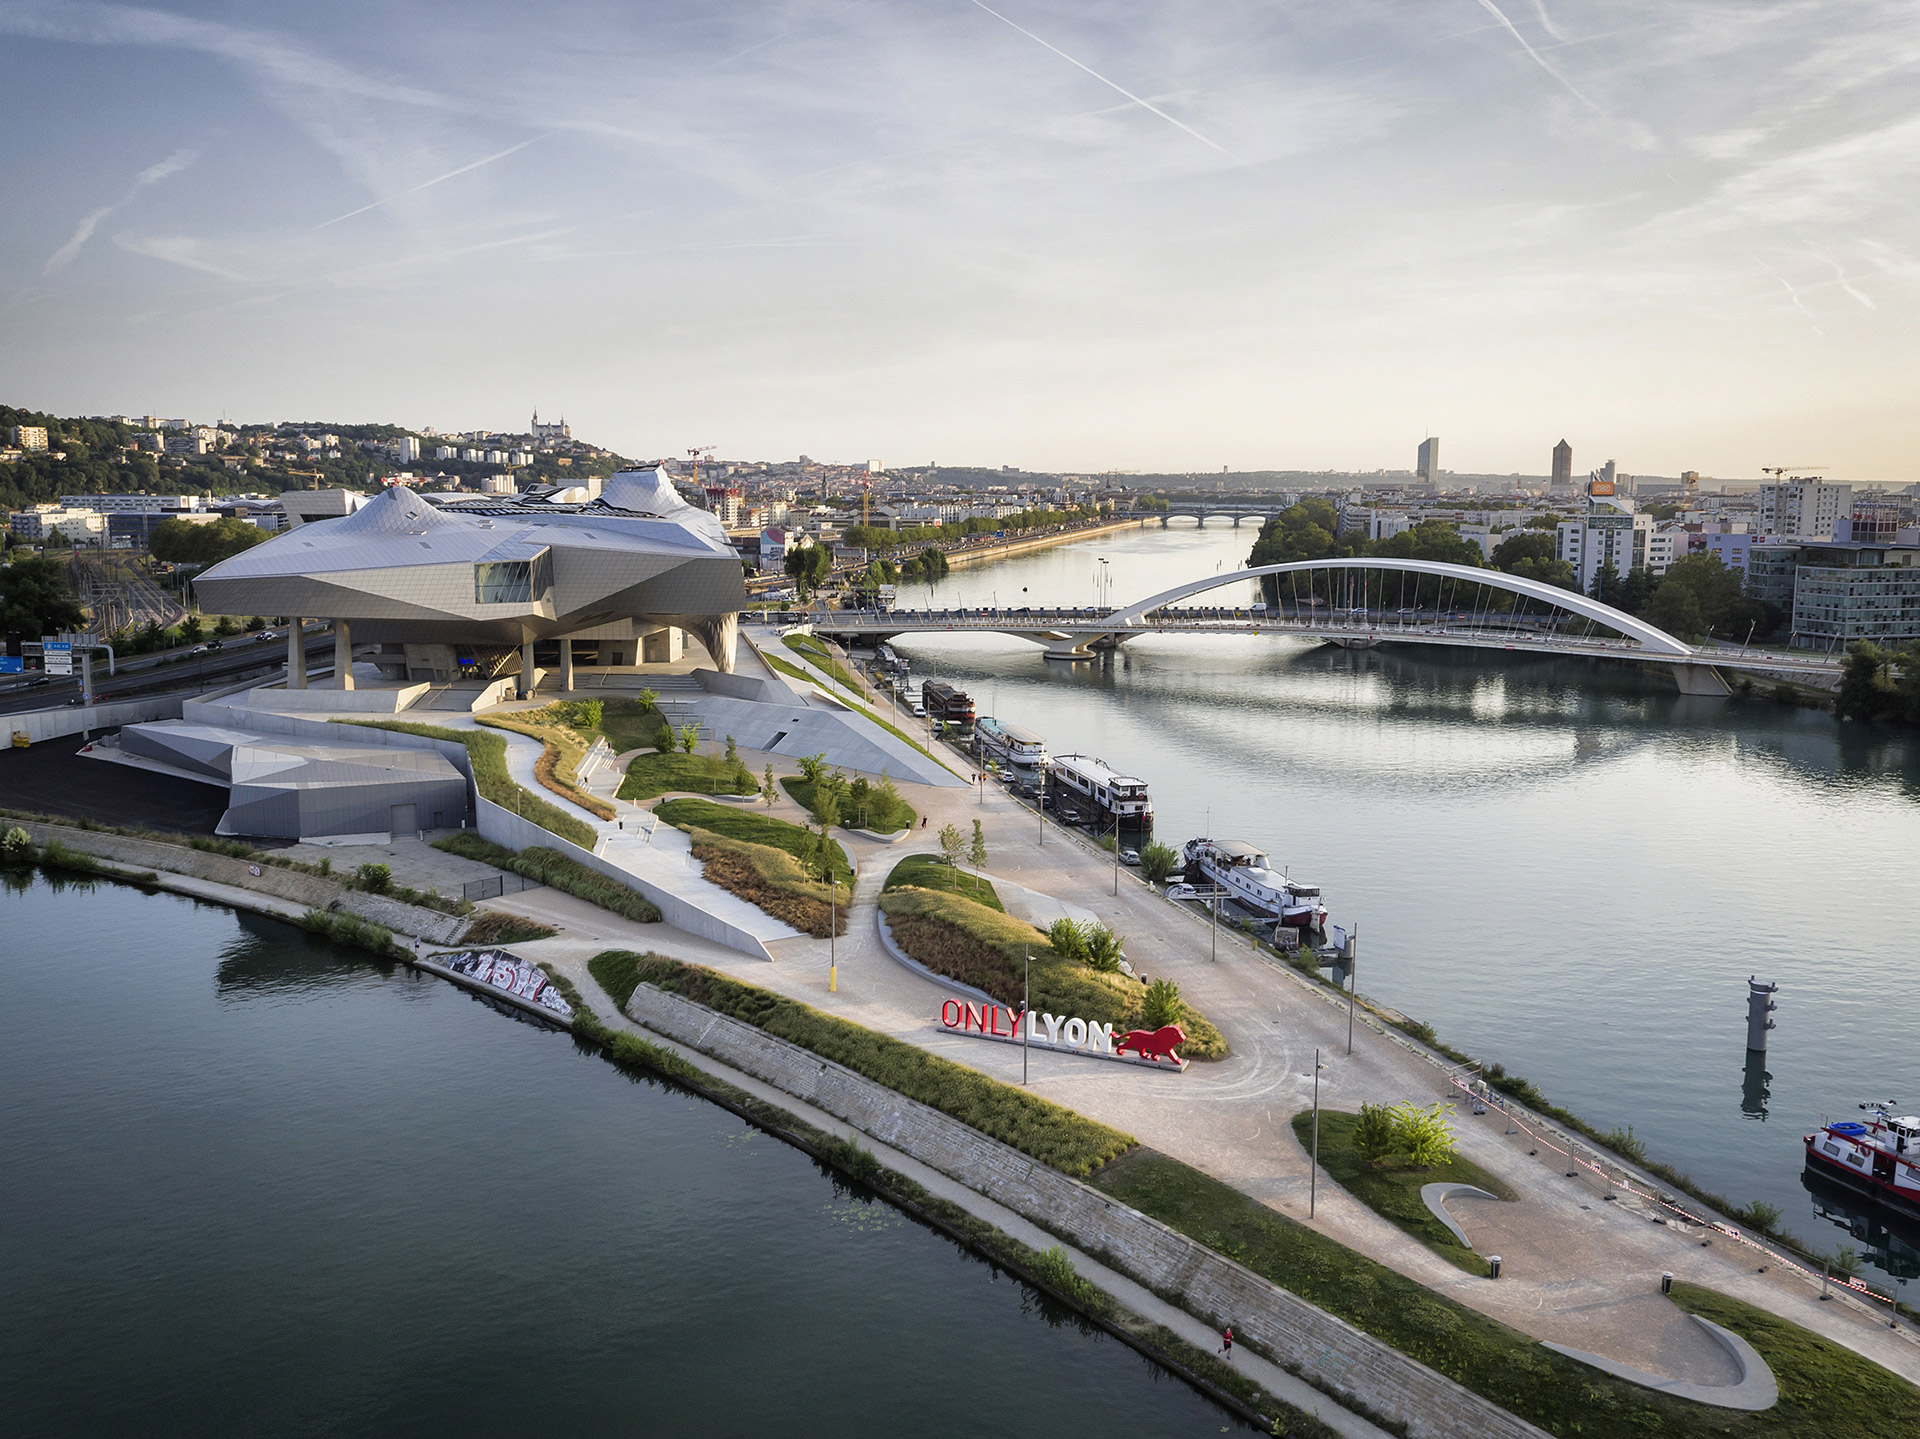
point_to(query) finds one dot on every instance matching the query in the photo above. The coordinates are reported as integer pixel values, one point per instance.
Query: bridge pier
(1701, 680)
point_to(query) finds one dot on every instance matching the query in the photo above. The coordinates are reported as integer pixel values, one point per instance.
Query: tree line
(1696, 598)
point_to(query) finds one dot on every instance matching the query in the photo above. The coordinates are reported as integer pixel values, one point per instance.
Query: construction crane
(1780, 472)
(866, 499)
(694, 454)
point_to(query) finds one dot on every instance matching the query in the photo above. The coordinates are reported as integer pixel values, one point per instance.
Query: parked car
(1129, 856)
(1180, 891)
(919, 710)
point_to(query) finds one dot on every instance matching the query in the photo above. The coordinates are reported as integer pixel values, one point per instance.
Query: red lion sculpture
(1152, 1043)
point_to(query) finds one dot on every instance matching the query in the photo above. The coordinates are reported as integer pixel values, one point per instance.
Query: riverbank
(1006, 550)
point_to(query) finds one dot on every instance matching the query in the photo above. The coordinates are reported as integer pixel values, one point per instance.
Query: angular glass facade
(1836, 604)
(509, 582)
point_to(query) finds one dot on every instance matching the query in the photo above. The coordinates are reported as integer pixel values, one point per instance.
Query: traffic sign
(58, 655)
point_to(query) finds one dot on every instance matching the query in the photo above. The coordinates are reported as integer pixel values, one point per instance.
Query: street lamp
(1313, 1174)
(1026, 1016)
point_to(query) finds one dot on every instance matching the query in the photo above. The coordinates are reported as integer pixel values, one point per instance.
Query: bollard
(1666, 1282)
(1493, 1266)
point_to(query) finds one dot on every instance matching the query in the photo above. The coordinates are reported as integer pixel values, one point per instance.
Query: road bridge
(1545, 620)
(1201, 511)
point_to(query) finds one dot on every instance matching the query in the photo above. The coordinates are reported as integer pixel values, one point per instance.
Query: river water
(1562, 864)
(256, 1184)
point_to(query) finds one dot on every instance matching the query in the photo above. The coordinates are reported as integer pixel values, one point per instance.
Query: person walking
(1226, 1341)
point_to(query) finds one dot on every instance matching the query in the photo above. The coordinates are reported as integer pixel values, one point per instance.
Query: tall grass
(752, 828)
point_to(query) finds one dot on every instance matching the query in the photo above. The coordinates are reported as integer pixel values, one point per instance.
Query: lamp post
(1116, 856)
(1215, 957)
(1313, 1174)
(1026, 1016)
(1353, 981)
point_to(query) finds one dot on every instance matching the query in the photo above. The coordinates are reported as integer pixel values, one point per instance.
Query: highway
(145, 675)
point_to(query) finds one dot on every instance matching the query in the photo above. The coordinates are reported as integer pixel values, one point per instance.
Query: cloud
(83, 232)
(436, 180)
(1534, 55)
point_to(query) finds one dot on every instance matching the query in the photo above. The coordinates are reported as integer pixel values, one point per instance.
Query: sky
(1058, 234)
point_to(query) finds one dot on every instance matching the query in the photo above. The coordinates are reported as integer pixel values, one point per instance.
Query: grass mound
(863, 805)
(1393, 1191)
(774, 881)
(817, 654)
(488, 755)
(988, 949)
(562, 747)
(930, 871)
(556, 870)
(628, 724)
(751, 828)
(652, 775)
(1047, 1132)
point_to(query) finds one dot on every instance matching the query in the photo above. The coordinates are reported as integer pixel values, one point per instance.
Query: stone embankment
(1331, 1353)
(277, 888)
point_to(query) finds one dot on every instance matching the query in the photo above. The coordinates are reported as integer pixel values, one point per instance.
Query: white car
(1180, 891)
(919, 710)
(1129, 856)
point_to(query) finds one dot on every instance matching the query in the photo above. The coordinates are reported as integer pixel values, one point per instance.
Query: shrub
(1068, 939)
(373, 878)
(1762, 1216)
(1626, 1144)
(1054, 1268)
(492, 926)
(16, 845)
(1373, 1133)
(1158, 862)
(1422, 1137)
(774, 881)
(1161, 1005)
(1103, 949)
(751, 827)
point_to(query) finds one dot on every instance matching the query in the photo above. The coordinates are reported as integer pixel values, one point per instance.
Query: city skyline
(1065, 238)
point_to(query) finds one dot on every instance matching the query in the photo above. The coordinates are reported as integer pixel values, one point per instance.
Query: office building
(1848, 591)
(1562, 483)
(1609, 535)
(1426, 469)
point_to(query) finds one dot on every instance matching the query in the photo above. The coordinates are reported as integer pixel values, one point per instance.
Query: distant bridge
(1077, 634)
(1202, 511)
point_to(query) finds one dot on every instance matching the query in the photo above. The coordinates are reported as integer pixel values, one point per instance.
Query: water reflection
(264, 958)
(1755, 1086)
(1889, 1240)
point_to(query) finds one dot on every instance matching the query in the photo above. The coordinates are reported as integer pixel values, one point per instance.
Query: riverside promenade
(1580, 1270)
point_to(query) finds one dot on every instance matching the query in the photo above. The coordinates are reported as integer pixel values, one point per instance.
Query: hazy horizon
(1067, 237)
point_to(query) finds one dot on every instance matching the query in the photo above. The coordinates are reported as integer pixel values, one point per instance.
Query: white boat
(1009, 744)
(1880, 1157)
(1095, 789)
(1245, 876)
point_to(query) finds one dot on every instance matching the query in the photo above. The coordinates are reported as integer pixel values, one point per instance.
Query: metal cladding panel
(208, 756)
(265, 811)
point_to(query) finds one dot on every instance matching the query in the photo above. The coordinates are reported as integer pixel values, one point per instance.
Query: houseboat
(1880, 1157)
(1100, 794)
(1245, 876)
(1009, 745)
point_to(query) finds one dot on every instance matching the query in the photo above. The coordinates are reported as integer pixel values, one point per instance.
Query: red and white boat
(1880, 1157)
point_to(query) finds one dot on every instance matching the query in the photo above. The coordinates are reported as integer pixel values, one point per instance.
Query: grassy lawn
(1394, 1193)
(1825, 1390)
(1562, 1396)
(884, 814)
(1049, 1133)
(821, 658)
(628, 724)
(488, 753)
(651, 775)
(751, 828)
(929, 871)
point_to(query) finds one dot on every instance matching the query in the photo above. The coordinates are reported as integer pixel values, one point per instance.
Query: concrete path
(1579, 1270)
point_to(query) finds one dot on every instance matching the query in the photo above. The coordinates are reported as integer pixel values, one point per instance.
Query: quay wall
(960, 559)
(1338, 1357)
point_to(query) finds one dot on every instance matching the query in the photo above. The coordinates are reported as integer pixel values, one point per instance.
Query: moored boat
(1880, 1157)
(1095, 789)
(1011, 745)
(1247, 877)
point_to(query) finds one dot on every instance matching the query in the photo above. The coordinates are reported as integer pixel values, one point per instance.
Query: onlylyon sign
(1064, 1033)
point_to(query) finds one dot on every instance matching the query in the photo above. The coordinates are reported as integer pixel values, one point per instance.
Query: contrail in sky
(152, 175)
(429, 184)
(1533, 54)
(1143, 104)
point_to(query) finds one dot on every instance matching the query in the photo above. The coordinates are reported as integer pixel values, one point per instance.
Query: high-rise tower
(1427, 468)
(1562, 469)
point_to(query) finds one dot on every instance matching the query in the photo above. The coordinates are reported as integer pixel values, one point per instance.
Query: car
(37, 682)
(1129, 856)
(268, 635)
(214, 644)
(1180, 891)
(197, 650)
(919, 710)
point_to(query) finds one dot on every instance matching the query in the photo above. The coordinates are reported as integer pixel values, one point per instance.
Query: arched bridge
(1202, 511)
(1370, 608)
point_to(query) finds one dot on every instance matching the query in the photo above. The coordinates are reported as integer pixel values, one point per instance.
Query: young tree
(1866, 690)
(715, 764)
(953, 845)
(1068, 939)
(689, 737)
(977, 850)
(1422, 1137)
(768, 788)
(733, 754)
(812, 767)
(1373, 1134)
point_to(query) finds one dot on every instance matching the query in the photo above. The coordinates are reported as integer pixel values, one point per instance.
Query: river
(1563, 865)
(257, 1184)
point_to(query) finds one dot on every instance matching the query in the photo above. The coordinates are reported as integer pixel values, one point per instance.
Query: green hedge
(488, 754)
(552, 868)
(1049, 1133)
